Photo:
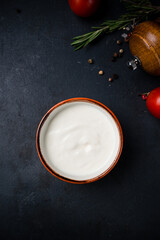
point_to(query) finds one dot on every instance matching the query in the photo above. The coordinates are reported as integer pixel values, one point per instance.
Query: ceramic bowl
(44, 161)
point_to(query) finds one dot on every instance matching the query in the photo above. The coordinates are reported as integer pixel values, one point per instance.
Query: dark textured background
(39, 68)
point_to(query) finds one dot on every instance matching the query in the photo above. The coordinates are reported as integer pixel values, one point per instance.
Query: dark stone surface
(39, 68)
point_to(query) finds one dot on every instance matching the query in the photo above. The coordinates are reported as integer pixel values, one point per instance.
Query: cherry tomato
(153, 102)
(84, 8)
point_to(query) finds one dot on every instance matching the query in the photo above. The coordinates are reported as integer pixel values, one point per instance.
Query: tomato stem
(144, 95)
(147, 93)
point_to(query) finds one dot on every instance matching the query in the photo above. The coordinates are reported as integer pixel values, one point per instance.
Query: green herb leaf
(137, 11)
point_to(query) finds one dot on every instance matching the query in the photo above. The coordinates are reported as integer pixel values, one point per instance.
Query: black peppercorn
(113, 59)
(18, 10)
(115, 76)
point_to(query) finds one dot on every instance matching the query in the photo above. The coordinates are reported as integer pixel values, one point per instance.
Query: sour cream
(80, 140)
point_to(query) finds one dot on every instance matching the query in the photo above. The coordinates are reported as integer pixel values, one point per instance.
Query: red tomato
(84, 8)
(153, 102)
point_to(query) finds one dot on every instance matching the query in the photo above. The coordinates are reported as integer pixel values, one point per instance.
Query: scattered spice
(90, 61)
(119, 42)
(121, 51)
(18, 10)
(100, 72)
(127, 28)
(115, 55)
(113, 59)
(115, 76)
(124, 35)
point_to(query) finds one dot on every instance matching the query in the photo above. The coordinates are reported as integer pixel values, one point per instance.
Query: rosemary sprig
(137, 11)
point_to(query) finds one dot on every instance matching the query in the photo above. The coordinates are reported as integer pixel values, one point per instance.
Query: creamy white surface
(79, 140)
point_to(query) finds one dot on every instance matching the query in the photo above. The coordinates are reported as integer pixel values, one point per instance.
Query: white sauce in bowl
(79, 140)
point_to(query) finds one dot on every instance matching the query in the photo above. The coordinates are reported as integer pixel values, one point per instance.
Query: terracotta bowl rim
(54, 173)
